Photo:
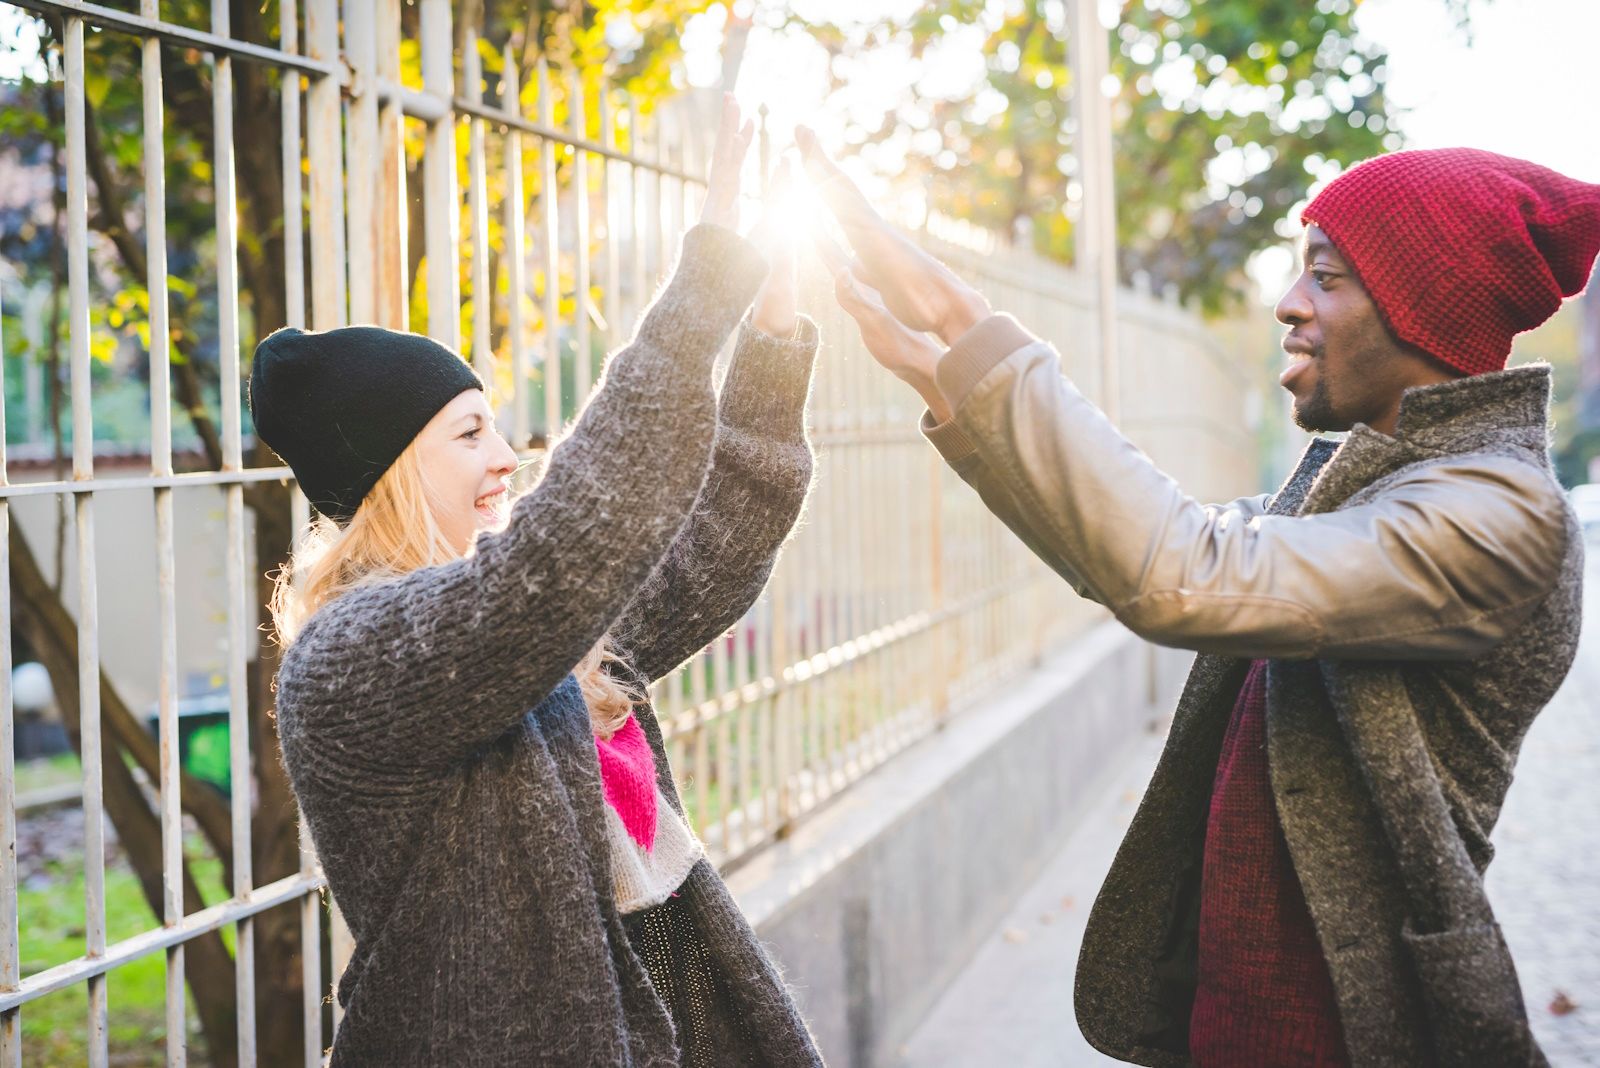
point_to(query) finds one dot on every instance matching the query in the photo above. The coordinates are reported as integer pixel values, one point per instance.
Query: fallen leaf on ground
(1560, 1005)
(1014, 934)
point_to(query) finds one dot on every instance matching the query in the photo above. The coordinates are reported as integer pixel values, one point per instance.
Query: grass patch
(55, 1027)
(42, 773)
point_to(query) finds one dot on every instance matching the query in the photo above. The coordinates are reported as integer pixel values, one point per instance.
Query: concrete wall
(875, 903)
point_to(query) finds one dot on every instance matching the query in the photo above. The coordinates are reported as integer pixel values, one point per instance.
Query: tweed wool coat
(1415, 623)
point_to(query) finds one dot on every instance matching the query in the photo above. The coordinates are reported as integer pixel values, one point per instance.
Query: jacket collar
(1510, 407)
(1500, 409)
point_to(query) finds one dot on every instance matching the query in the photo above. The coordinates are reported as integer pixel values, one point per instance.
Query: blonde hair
(393, 533)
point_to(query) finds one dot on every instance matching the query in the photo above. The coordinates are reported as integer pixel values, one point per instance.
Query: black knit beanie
(340, 406)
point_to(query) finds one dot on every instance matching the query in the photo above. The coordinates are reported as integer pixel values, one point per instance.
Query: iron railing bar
(661, 233)
(548, 195)
(609, 188)
(516, 252)
(324, 149)
(10, 931)
(171, 805)
(329, 263)
(124, 22)
(228, 345)
(441, 206)
(299, 511)
(582, 360)
(832, 659)
(157, 939)
(391, 238)
(94, 875)
(548, 131)
(187, 480)
(432, 107)
(310, 904)
(361, 158)
(636, 201)
(294, 267)
(478, 213)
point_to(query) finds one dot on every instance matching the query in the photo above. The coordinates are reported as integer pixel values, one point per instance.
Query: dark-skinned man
(1303, 881)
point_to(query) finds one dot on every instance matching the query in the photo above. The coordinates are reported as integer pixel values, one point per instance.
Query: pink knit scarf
(628, 776)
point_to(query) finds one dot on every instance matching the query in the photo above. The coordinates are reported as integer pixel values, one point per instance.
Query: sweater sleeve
(423, 669)
(760, 472)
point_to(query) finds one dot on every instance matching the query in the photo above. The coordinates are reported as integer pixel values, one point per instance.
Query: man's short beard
(1317, 415)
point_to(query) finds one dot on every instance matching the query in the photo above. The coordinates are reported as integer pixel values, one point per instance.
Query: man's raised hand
(917, 289)
(910, 354)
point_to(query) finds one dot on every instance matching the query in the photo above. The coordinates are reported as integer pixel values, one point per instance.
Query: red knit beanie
(1461, 249)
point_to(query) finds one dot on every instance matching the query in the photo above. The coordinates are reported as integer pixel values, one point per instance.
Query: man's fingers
(864, 273)
(849, 204)
(833, 255)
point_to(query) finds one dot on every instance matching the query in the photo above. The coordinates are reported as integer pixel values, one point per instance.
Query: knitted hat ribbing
(1462, 249)
(340, 406)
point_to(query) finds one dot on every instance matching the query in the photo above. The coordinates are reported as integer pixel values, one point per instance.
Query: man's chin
(1318, 419)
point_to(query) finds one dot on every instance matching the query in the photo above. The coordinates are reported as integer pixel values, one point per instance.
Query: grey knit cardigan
(443, 755)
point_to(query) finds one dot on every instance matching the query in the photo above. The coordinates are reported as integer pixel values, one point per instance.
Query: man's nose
(1294, 307)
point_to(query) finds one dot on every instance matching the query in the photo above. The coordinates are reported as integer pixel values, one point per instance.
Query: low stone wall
(875, 903)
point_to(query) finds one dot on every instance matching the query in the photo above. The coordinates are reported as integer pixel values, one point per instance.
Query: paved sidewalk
(1013, 1003)
(1545, 879)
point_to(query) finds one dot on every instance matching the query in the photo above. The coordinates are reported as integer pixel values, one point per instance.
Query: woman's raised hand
(775, 307)
(727, 161)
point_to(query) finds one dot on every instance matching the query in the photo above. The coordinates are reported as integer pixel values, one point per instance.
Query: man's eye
(1321, 278)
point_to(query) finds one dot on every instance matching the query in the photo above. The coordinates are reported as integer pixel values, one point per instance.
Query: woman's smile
(491, 506)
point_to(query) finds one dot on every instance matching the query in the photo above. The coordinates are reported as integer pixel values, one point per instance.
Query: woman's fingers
(777, 303)
(727, 160)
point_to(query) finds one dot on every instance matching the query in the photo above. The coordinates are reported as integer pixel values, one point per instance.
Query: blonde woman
(461, 702)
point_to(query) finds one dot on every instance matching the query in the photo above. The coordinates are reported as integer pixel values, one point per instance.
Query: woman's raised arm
(428, 667)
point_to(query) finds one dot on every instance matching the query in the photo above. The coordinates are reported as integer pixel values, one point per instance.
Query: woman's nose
(506, 462)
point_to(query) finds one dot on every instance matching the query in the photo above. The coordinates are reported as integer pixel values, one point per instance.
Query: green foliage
(1226, 112)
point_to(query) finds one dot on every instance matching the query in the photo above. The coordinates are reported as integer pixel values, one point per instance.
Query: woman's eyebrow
(472, 417)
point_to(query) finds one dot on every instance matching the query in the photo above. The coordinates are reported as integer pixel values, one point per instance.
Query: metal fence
(898, 600)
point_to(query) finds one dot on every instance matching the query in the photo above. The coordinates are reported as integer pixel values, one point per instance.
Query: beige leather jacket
(1441, 565)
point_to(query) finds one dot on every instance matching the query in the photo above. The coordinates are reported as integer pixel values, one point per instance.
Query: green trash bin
(202, 738)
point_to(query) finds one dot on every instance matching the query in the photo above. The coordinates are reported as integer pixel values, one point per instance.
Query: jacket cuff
(976, 353)
(951, 441)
